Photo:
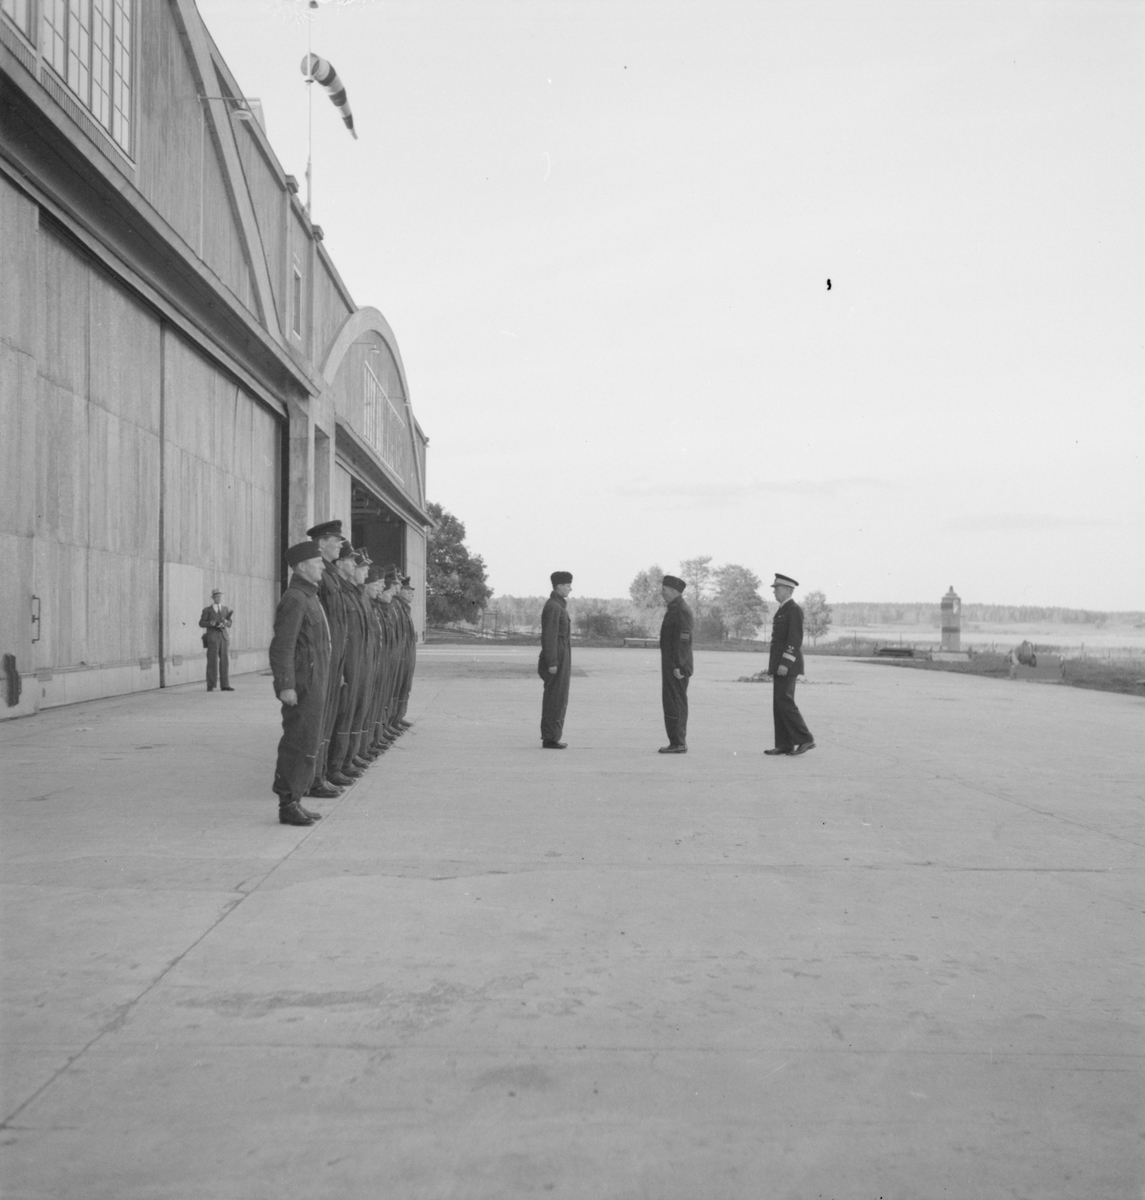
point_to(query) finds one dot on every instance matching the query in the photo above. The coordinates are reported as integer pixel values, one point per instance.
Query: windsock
(322, 72)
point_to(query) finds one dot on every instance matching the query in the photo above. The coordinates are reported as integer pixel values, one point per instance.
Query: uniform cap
(326, 529)
(301, 552)
(559, 577)
(345, 551)
(785, 581)
(362, 559)
(674, 581)
(406, 582)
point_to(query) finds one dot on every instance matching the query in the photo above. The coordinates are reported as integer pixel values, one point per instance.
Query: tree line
(930, 614)
(725, 601)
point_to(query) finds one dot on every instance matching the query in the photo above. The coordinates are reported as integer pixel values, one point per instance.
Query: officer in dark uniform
(554, 665)
(356, 578)
(409, 651)
(374, 584)
(401, 631)
(784, 664)
(328, 537)
(383, 588)
(300, 661)
(392, 655)
(675, 664)
(340, 767)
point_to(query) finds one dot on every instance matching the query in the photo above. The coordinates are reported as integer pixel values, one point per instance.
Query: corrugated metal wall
(221, 502)
(99, 401)
(97, 466)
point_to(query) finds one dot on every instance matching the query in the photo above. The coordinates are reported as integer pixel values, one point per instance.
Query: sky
(602, 232)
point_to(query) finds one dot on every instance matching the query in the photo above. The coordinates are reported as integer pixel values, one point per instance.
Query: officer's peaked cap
(785, 581)
(326, 529)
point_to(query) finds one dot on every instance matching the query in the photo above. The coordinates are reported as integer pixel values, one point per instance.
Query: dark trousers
(349, 698)
(555, 702)
(218, 660)
(298, 750)
(674, 693)
(790, 728)
(330, 708)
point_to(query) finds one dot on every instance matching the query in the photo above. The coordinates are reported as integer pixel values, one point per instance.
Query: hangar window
(384, 428)
(19, 12)
(88, 43)
(296, 304)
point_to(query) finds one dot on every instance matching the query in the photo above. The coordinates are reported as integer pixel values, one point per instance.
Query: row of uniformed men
(343, 658)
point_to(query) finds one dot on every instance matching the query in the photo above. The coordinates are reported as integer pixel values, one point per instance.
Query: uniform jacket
(556, 634)
(219, 621)
(333, 600)
(676, 637)
(300, 648)
(786, 639)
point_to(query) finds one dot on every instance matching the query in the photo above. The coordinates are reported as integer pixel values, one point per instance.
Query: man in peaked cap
(784, 665)
(389, 580)
(675, 664)
(299, 661)
(555, 662)
(328, 537)
(409, 650)
(340, 766)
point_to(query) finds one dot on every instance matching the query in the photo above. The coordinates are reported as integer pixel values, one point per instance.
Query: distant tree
(594, 620)
(645, 588)
(709, 625)
(741, 606)
(697, 573)
(816, 615)
(455, 587)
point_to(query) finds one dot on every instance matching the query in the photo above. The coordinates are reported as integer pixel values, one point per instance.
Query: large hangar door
(378, 528)
(222, 506)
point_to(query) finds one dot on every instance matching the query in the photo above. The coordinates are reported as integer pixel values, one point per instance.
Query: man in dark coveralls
(675, 664)
(300, 661)
(340, 767)
(784, 664)
(409, 651)
(554, 665)
(328, 536)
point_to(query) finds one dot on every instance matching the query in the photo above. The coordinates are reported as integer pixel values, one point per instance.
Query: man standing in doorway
(785, 664)
(299, 661)
(675, 664)
(216, 620)
(555, 663)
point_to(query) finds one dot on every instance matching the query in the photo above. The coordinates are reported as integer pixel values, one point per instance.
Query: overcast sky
(602, 232)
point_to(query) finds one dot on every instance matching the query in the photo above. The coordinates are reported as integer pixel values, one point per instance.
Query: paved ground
(907, 965)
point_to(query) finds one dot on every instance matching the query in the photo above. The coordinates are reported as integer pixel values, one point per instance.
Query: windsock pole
(309, 108)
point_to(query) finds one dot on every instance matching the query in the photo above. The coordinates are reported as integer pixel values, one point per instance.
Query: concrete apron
(905, 965)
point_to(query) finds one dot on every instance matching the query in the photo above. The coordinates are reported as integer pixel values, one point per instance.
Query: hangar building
(186, 384)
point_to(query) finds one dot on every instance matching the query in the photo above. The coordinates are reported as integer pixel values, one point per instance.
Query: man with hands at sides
(675, 664)
(785, 664)
(300, 663)
(555, 663)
